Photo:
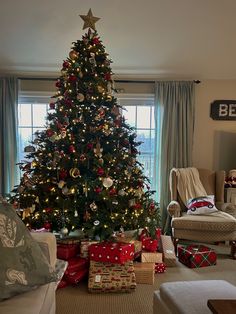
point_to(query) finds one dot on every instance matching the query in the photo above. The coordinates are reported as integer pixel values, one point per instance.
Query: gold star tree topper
(89, 20)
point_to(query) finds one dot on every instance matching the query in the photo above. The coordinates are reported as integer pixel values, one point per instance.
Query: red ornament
(47, 225)
(98, 190)
(49, 132)
(137, 206)
(63, 174)
(58, 84)
(48, 210)
(89, 145)
(52, 105)
(107, 76)
(66, 64)
(113, 191)
(96, 41)
(100, 171)
(72, 78)
(68, 102)
(72, 149)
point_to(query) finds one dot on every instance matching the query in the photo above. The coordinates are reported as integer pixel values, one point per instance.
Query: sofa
(185, 297)
(40, 300)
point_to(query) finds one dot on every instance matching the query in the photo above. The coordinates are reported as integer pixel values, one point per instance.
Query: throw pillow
(23, 265)
(202, 205)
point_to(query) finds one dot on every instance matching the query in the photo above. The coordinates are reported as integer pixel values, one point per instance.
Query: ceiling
(184, 39)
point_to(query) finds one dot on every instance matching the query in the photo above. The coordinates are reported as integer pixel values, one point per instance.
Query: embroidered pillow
(23, 265)
(202, 205)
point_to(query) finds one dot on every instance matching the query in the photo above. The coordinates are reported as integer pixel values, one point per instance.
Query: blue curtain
(8, 134)
(175, 102)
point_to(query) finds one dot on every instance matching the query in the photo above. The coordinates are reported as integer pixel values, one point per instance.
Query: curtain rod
(116, 81)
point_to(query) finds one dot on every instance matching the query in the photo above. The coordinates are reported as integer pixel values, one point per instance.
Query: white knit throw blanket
(189, 184)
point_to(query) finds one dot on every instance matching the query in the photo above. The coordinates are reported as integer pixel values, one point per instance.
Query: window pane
(24, 115)
(39, 114)
(143, 117)
(152, 141)
(152, 118)
(25, 137)
(130, 115)
(144, 136)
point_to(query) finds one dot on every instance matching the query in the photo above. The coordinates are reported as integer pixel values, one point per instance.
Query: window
(31, 117)
(138, 111)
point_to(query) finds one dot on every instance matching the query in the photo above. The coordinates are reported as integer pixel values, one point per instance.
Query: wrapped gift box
(144, 273)
(148, 257)
(76, 277)
(137, 244)
(112, 252)
(195, 256)
(149, 244)
(76, 264)
(62, 284)
(108, 277)
(160, 268)
(84, 247)
(67, 251)
(168, 250)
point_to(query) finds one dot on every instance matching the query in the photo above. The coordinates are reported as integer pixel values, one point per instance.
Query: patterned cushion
(23, 266)
(201, 205)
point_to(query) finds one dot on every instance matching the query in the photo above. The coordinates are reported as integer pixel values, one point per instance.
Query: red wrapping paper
(76, 264)
(160, 268)
(150, 245)
(67, 251)
(112, 252)
(76, 277)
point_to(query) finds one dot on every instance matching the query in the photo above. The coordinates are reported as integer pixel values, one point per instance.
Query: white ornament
(64, 231)
(76, 213)
(107, 182)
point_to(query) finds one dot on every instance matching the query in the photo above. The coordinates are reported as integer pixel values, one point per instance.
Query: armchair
(214, 227)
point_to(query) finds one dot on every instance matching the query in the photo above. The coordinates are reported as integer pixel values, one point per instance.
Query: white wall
(214, 141)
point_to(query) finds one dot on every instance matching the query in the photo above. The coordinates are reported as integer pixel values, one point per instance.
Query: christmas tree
(82, 171)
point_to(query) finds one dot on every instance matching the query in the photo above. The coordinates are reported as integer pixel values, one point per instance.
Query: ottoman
(185, 297)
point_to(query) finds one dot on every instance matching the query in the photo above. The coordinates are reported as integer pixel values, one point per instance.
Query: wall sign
(223, 110)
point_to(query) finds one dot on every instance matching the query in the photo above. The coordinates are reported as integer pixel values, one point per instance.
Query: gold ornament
(80, 97)
(89, 20)
(74, 172)
(73, 54)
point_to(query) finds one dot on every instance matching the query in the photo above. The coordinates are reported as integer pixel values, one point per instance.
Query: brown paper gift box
(148, 257)
(107, 277)
(144, 272)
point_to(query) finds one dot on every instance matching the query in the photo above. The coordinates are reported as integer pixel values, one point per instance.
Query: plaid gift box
(107, 277)
(112, 252)
(195, 256)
